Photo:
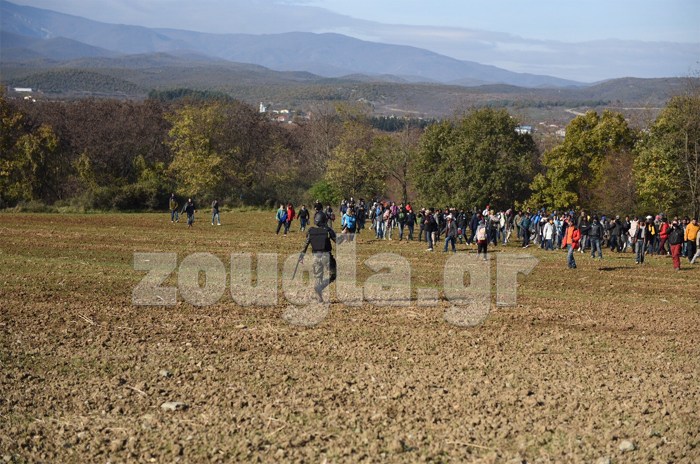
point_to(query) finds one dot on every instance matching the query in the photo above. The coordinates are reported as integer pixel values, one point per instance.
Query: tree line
(129, 155)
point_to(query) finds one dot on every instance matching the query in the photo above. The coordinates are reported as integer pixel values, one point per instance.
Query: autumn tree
(477, 160)
(397, 151)
(667, 168)
(29, 163)
(221, 149)
(576, 171)
(354, 167)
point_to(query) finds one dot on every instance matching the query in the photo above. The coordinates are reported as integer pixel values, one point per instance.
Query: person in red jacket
(664, 229)
(571, 242)
(290, 216)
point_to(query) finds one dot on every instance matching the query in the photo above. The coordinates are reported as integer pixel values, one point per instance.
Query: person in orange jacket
(571, 242)
(691, 234)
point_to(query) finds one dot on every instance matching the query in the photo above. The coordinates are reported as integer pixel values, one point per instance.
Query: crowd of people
(581, 232)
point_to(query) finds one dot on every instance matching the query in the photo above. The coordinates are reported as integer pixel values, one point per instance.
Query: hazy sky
(564, 38)
(565, 20)
(562, 20)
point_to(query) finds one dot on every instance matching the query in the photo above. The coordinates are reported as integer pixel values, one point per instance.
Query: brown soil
(589, 358)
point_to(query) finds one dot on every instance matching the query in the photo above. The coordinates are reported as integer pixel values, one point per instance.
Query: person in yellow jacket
(691, 235)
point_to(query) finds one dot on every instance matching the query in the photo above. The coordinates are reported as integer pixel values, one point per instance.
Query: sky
(562, 20)
(537, 36)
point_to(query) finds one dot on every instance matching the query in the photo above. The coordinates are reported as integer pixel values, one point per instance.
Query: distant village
(287, 116)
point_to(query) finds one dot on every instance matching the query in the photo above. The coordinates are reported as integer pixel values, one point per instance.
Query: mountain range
(66, 56)
(30, 33)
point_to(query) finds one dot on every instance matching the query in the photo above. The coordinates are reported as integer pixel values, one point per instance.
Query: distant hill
(327, 55)
(134, 76)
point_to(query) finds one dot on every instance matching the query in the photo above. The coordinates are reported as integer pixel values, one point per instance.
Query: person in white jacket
(548, 234)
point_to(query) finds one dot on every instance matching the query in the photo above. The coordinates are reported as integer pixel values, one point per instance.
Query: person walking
(281, 218)
(303, 218)
(450, 233)
(640, 240)
(319, 238)
(401, 220)
(690, 236)
(348, 224)
(215, 218)
(291, 215)
(190, 210)
(697, 249)
(173, 205)
(595, 235)
(525, 223)
(675, 241)
(410, 223)
(430, 227)
(548, 234)
(571, 242)
(482, 242)
(664, 229)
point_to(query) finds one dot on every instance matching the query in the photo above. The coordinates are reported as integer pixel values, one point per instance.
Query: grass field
(586, 360)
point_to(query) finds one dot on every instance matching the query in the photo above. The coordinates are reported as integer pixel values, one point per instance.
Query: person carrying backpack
(401, 219)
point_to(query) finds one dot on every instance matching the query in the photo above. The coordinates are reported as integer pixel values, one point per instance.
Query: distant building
(561, 133)
(22, 89)
(522, 130)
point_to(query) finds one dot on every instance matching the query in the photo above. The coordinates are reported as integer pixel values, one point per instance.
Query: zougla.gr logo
(390, 285)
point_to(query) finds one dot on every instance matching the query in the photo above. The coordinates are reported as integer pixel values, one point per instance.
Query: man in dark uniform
(319, 237)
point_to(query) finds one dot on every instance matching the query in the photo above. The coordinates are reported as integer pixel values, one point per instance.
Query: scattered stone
(241, 326)
(603, 460)
(117, 445)
(627, 445)
(396, 446)
(174, 406)
(165, 373)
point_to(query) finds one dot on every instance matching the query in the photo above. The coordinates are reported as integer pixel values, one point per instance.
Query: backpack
(283, 218)
(481, 233)
(402, 216)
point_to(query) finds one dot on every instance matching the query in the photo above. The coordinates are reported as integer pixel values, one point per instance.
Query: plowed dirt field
(588, 359)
